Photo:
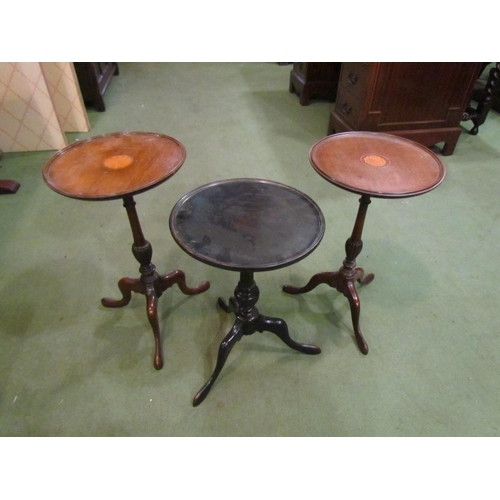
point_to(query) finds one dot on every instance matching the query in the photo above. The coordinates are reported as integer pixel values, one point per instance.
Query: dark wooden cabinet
(420, 101)
(94, 78)
(486, 96)
(314, 79)
(489, 83)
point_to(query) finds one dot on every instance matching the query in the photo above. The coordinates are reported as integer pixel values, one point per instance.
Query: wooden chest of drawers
(420, 101)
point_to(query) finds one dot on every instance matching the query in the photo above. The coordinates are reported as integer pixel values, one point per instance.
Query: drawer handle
(346, 109)
(352, 79)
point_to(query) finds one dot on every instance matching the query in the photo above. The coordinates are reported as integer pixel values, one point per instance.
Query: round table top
(377, 164)
(114, 165)
(247, 224)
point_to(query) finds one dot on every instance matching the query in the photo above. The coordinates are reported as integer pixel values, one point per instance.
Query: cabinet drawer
(354, 77)
(348, 107)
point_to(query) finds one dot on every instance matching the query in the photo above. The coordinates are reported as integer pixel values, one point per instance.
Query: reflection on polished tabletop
(247, 224)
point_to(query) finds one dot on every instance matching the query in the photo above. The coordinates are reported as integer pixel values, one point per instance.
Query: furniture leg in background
(94, 78)
(313, 79)
(484, 99)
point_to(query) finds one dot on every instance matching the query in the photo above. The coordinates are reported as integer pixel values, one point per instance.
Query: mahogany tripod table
(121, 165)
(373, 165)
(247, 225)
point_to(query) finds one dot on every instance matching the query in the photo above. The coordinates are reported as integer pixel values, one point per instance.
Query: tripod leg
(225, 347)
(126, 286)
(328, 278)
(178, 278)
(361, 278)
(279, 328)
(232, 307)
(152, 312)
(353, 298)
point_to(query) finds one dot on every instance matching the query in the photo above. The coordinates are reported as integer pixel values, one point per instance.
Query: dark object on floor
(8, 187)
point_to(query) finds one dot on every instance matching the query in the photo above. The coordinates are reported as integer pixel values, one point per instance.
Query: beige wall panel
(28, 119)
(66, 96)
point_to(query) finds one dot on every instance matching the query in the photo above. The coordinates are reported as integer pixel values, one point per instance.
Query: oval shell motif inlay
(374, 161)
(118, 161)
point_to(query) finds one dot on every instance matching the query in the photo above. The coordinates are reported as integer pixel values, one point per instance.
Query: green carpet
(70, 367)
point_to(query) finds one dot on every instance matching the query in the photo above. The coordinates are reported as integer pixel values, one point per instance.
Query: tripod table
(248, 226)
(121, 165)
(376, 165)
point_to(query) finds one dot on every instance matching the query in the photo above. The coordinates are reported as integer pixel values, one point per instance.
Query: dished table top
(376, 164)
(247, 224)
(114, 165)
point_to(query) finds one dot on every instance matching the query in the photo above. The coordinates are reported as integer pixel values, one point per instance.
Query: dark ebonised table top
(247, 224)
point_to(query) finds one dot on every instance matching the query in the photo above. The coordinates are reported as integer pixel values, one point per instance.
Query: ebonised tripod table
(122, 165)
(248, 226)
(374, 165)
